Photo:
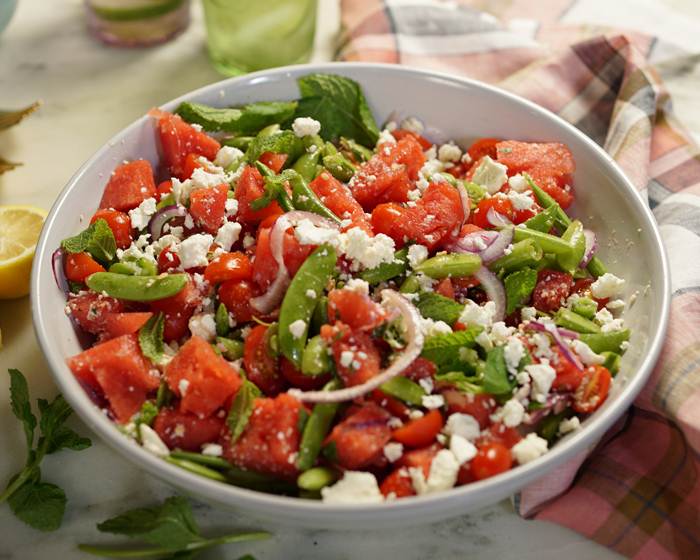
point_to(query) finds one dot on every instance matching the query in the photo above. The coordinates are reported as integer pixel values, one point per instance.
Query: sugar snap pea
(339, 166)
(585, 307)
(606, 342)
(137, 288)
(387, 271)
(612, 361)
(359, 152)
(221, 320)
(315, 359)
(306, 164)
(135, 267)
(306, 199)
(575, 238)
(240, 142)
(316, 478)
(229, 348)
(196, 468)
(207, 460)
(573, 321)
(523, 254)
(297, 307)
(548, 243)
(450, 265)
(316, 429)
(404, 389)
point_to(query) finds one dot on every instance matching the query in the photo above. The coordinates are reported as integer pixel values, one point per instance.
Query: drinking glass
(248, 35)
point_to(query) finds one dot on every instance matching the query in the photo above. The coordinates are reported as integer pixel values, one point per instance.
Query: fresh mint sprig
(39, 504)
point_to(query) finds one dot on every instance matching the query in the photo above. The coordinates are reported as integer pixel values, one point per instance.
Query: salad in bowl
(300, 302)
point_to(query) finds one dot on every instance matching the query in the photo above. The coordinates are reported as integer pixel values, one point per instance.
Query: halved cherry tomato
(118, 222)
(236, 296)
(492, 458)
(299, 380)
(568, 375)
(499, 204)
(164, 189)
(168, 260)
(229, 266)
(81, 265)
(392, 405)
(273, 161)
(593, 390)
(421, 431)
(480, 406)
(260, 364)
(552, 288)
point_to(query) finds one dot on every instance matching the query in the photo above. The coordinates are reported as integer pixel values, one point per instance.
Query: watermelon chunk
(130, 184)
(208, 206)
(183, 430)
(89, 309)
(361, 437)
(117, 324)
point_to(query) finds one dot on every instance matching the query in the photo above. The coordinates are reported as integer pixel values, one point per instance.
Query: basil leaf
(519, 285)
(19, 397)
(283, 142)
(39, 504)
(496, 379)
(445, 348)
(151, 338)
(241, 409)
(439, 308)
(339, 105)
(97, 239)
(247, 119)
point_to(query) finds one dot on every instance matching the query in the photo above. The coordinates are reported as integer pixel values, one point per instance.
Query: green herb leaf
(339, 105)
(53, 416)
(439, 308)
(387, 271)
(445, 348)
(39, 504)
(461, 381)
(65, 438)
(247, 119)
(519, 286)
(283, 142)
(151, 338)
(496, 379)
(241, 409)
(147, 414)
(97, 239)
(19, 397)
(221, 320)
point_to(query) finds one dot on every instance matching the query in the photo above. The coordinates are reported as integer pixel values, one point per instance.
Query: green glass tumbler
(248, 35)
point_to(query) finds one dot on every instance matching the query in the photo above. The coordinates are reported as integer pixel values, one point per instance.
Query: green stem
(16, 483)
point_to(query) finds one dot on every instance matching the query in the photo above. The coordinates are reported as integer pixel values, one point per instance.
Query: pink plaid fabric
(638, 492)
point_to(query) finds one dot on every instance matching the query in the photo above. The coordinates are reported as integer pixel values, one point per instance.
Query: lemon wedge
(19, 231)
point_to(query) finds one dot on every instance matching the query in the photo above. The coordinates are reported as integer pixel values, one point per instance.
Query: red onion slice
(162, 217)
(488, 244)
(59, 274)
(565, 333)
(591, 247)
(414, 346)
(494, 290)
(267, 302)
(556, 403)
(466, 207)
(496, 219)
(558, 337)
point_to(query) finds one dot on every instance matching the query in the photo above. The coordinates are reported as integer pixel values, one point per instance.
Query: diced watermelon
(377, 182)
(339, 200)
(183, 430)
(88, 309)
(201, 378)
(361, 437)
(249, 188)
(208, 206)
(407, 152)
(366, 361)
(356, 310)
(130, 184)
(119, 371)
(399, 481)
(117, 324)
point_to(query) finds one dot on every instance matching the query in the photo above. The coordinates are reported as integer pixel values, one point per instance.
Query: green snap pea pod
(229, 348)
(265, 171)
(306, 199)
(206, 460)
(387, 271)
(606, 342)
(596, 267)
(549, 427)
(548, 243)
(404, 389)
(612, 361)
(306, 165)
(269, 130)
(575, 238)
(274, 190)
(297, 307)
(543, 221)
(258, 481)
(411, 285)
(570, 320)
(221, 320)
(523, 254)
(585, 307)
(320, 315)
(315, 359)
(316, 478)
(196, 468)
(240, 142)
(138, 267)
(328, 149)
(452, 265)
(339, 166)
(359, 152)
(316, 429)
(476, 192)
(169, 200)
(137, 288)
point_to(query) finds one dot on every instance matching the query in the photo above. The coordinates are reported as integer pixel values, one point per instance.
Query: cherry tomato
(168, 260)
(260, 364)
(118, 222)
(593, 390)
(551, 290)
(236, 296)
(164, 189)
(421, 431)
(479, 406)
(229, 266)
(568, 375)
(81, 265)
(392, 405)
(499, 204)
(492, 458)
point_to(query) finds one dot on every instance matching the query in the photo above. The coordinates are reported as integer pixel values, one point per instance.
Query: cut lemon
(19, 231)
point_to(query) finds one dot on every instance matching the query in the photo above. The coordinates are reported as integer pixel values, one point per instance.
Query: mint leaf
(444, 349)
(519, 286)
(496, 379)
(339, 105)
(463, 382)
(387, 271)
(283, 142)
(439, 308)
(151, 338)
(241, 409)
(65, 438)
(147, 414)
(19, 398)
(39, 504)
(97, 239)
(247, 119)
(53, 416)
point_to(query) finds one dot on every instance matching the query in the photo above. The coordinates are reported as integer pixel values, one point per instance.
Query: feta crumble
(529, 448)
(151, 442)
(393, 451)
(588, 356)
(518, 183)
(568, 425)
(511, 414)
(346, 358)
(432, 401)
(357, 285)
(417, 254)
(449, 152)
(513, 352)
(463, 425)
(228, 235)
(141, 215)
(227, 155)
(607, 286)
(542, 376)
(306, 126)
(442, 475)
(203, 325)
(231, 207)
(521, 201)
(491, 175)
(309, 234)
(297, 328)
(385, 137)
(462, 449)
(366, 251)
(212, 450)
(475, 314)
(193, 250)
(356, 487)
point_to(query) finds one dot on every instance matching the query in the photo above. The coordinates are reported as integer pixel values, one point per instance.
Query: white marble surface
(90, 92)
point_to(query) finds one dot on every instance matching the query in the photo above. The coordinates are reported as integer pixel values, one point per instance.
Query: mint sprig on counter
(39, 504)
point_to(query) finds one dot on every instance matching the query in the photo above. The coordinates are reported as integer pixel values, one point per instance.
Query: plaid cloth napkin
(638, 492)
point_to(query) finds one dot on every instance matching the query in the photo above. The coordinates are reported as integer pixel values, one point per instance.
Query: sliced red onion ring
(267, 302)
(466, 207)
(496, 219)
(414, 346)
(559, 339)
(489, 245)
(566, 333)
(556, 403)
(59, 274)
(591, 246)
(494, 290)
(162, 217)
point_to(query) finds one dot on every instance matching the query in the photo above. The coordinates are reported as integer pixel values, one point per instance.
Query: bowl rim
(284, 506)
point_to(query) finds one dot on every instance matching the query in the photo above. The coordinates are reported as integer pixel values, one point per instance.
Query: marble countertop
(89, 92)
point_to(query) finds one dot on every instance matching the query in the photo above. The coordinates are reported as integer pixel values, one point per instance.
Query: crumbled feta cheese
(568, 425)
(366, 251)
(248, 241)
(427, 384)
(431, 167)
(475, 314)
(542, 376)
(394, 422)
(412, 124)
(165, 241)
(141, 215)
(521, 201)
(432, 401)
(346, 358)
(385, 137)
(203, 325)
(542, 345)
(607, 286)
(193, 250)
(607, 322)
(297, 328)
(500, 332)
(484, 340)
(425, 282)
(357, 285)
(189, 222)
(529, 448)
(463, 425)
(528, 313)
(393, 451)
(417, 254)
(182, 386)
(306, 126)
(512, 413)
(151, 441)
(513, 352)
(413, 195)
(430, 327)
(518, 183)
(203, 179)
(309, 234)
(615, 305)
(491, 175)
(311, 294)
(227, 155)
(588, 356)
(442, 475)
(231, 207)
(415, 413)
(449, 152)
(227, 235)
(462, 449)
(212, 450)
(356, 487)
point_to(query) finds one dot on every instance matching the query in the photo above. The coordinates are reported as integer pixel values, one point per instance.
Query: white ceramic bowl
(463, 110)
